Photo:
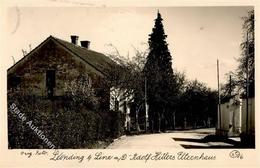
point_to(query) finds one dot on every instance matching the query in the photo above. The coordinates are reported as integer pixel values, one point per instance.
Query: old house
(55, 61)
(237, 118)
(45, 71)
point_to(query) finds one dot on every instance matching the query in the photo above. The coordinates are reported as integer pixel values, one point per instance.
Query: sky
(197, 36)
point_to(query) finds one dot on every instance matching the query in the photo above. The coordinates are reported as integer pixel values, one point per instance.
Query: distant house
(236, 119)
(230, 117)
(120, 101)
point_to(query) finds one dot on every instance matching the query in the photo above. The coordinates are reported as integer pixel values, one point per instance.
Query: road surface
(173, 140)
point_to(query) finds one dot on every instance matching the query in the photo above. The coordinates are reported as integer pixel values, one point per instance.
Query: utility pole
(136, 120)
(230, 86)
(219, 102)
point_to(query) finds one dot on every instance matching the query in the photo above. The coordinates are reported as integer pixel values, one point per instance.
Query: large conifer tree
(159, 76)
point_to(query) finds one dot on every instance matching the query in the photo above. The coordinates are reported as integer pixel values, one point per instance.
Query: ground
(198, 138)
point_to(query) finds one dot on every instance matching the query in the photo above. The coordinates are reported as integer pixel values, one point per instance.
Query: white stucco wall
(230, 118)
(117, 94)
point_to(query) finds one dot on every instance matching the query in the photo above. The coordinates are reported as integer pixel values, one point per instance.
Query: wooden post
(230, 86)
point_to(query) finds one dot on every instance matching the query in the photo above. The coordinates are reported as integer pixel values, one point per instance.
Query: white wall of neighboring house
(251, 116)
(230, 118)
(119, 101)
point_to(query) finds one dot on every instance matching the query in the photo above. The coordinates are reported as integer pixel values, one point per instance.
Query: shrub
(72, 121)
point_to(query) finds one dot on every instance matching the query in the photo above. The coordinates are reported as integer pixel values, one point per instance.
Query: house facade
(230, 117)
(53, 63)
(237, 118)
(120, 101)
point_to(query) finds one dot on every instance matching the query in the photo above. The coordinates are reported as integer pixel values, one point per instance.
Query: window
(13, 81)
(50, 82)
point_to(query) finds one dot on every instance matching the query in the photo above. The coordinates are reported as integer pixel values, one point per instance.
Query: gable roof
(98, 61)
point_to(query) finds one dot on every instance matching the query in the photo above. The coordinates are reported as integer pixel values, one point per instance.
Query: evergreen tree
(159, 76)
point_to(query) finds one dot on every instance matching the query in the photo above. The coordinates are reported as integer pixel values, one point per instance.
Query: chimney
(85, 44)
(74, 39)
